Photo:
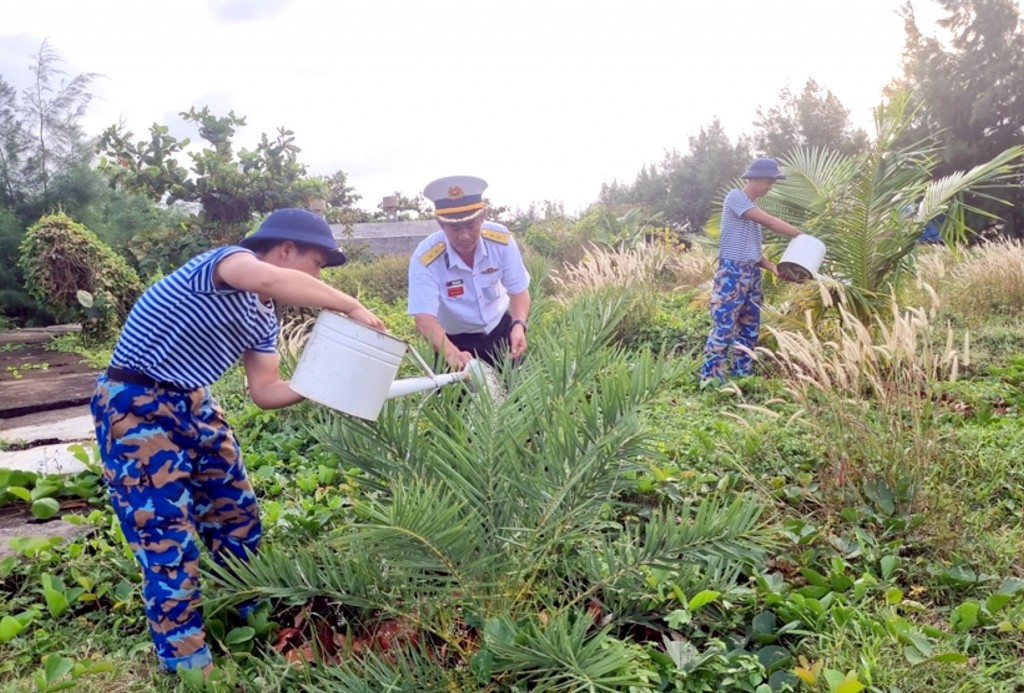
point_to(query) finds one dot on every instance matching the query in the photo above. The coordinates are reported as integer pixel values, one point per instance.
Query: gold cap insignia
(454, 192)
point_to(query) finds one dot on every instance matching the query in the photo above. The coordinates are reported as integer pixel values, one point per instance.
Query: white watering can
(801, 259)
(351, 367)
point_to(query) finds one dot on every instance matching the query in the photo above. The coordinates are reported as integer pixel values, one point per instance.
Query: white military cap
(456, 198)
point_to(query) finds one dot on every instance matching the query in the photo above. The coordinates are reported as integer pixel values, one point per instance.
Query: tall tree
(231, 188)
(815, 118)
(969, 90)
(681, 190)
(14, 143)
(53, 108)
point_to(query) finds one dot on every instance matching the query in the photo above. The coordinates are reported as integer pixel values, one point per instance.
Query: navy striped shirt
(741, 237)
(184, 330)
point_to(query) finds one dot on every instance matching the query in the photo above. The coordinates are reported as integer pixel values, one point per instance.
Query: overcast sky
(546, 99)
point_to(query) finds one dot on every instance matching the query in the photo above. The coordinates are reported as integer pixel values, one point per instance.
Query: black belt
(135, 378)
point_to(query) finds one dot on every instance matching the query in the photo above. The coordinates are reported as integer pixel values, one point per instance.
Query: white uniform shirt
(464, 299)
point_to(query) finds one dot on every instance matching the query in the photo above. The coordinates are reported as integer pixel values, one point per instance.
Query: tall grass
(988, 280)
(866, 392)
(604, 267)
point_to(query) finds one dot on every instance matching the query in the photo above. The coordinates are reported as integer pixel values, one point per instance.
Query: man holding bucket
(468, 286)
(736, 296)
(170, 461)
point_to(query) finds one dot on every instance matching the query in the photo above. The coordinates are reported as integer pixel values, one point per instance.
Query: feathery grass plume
(632, 274)
(933, 264)
(693, 268)
(291, 339)
(866, 391)
(610, 267)
(988, 280)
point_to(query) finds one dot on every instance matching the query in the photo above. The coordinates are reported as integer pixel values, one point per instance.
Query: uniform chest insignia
(455, 288)
(496, 236)
(432, 254)
(490, 270)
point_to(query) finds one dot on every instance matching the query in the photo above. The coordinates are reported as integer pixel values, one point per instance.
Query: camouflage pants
(735, 319)
(175, 474)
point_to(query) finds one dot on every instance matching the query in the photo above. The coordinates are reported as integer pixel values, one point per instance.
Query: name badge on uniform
(455, 288)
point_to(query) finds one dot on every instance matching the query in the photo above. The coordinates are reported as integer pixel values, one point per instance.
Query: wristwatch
(519, 322)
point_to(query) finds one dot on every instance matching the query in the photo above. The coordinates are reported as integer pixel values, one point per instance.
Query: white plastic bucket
(802, 258)
(348, 366)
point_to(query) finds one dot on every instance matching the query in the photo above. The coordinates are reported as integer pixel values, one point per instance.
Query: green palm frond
(561, 654)
(297, 575)
(870, 209)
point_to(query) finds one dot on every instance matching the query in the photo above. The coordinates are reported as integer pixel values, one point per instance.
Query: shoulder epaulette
(432, 254)
(496, 236)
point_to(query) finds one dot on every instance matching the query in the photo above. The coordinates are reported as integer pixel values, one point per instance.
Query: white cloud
(546, 100)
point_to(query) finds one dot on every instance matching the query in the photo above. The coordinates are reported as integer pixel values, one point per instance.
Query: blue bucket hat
(765, 167)
(298, 226)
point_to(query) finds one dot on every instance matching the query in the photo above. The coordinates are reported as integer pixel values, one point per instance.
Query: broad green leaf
(56, 667)
(834, 678)
(7, 566)
(45, 508)
(765, 622)
(889, 564)
(1011, 586)
(56, 602)
(921, 643)
(20, 492)
(9, 628)
(893, 595)
(996, 602)
(850, 686)
(965, 616)
(954, 657)
(814, 577)
(774, 657)
(44, 490)
(239, 635)
(702, 598)
(678, 617)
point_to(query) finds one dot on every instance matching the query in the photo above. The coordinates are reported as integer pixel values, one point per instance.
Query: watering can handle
(423, 364)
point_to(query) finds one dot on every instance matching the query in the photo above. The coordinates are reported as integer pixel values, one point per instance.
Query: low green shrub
(385, 277)
(62, 259)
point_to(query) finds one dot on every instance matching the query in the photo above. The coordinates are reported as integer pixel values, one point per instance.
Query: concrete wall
(387, 237)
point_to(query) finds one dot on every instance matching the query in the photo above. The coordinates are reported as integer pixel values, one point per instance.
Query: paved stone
(44, 447)
(67, 429)
(26, 396)
(43, 459)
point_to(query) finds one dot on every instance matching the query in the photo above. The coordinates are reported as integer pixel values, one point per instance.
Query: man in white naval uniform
(468, 286)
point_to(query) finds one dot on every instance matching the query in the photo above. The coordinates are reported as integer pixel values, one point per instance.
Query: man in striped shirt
(170, 461)
(736, 296)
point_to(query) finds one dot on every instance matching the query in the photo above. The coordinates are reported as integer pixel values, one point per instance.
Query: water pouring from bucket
(351, 368)
(801, 259)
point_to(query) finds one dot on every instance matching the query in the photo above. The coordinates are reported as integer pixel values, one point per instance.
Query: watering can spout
(470, 375)
(407, 386)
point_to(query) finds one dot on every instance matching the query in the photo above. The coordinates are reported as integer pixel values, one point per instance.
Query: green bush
(385, 277)
(61, 258)
(561, 239)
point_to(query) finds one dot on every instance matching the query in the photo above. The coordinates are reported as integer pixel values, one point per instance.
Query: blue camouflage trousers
(735, 319)
(175, 475)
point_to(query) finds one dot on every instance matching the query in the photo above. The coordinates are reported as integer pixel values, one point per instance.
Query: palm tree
(507, 531)
(871, 208)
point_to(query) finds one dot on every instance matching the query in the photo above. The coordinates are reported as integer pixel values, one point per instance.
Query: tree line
(156, 199)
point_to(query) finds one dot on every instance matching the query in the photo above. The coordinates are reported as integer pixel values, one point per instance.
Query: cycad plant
(507, 535)
(870, 209)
